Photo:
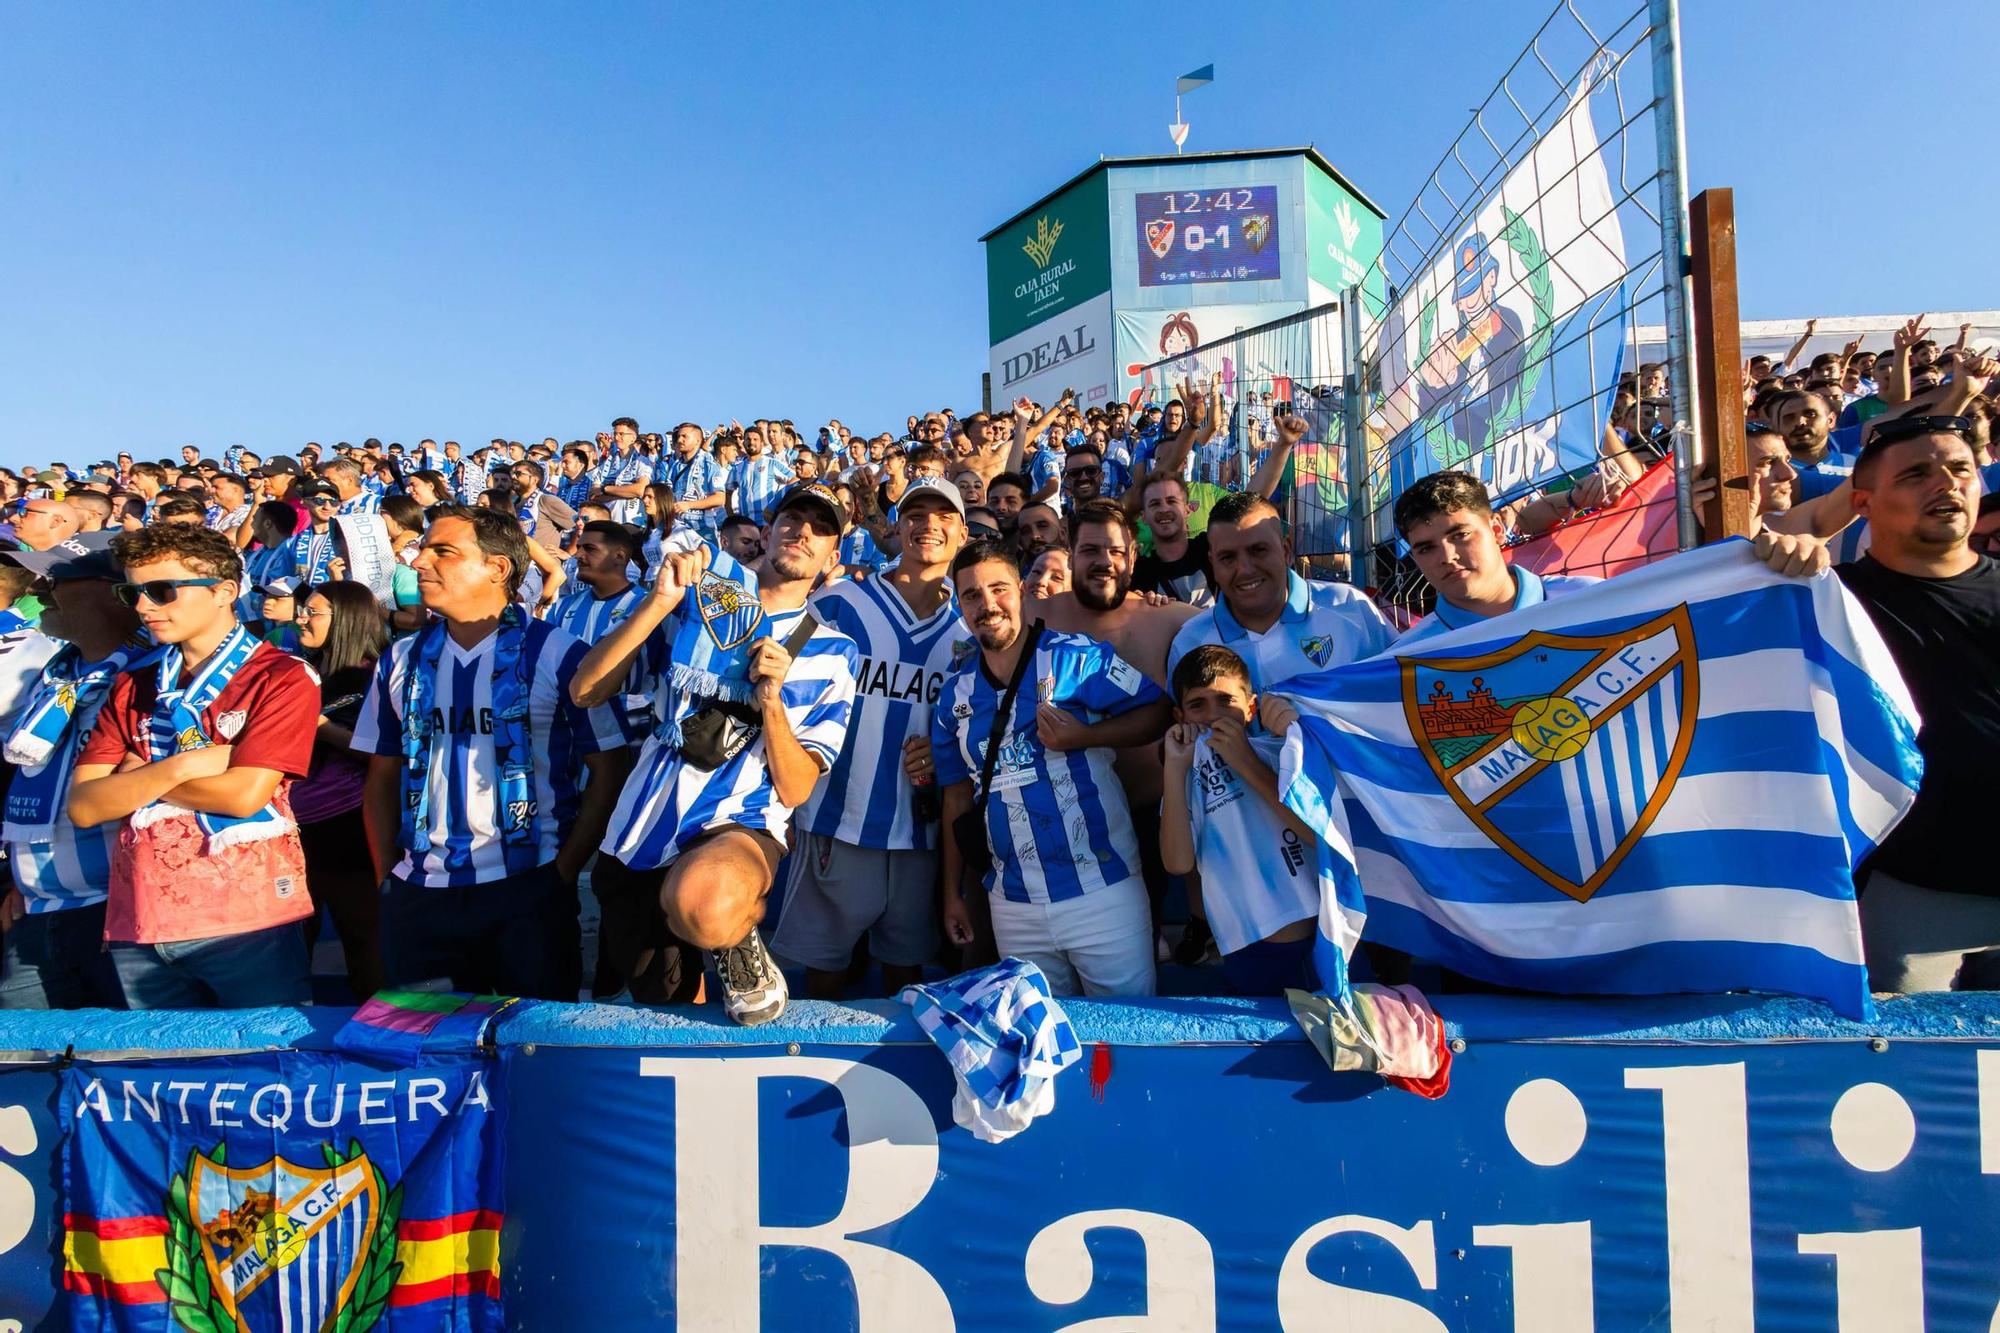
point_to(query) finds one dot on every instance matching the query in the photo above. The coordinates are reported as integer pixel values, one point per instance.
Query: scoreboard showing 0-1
(1215, 235)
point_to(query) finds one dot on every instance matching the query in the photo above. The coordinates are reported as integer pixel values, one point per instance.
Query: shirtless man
(1104, 551)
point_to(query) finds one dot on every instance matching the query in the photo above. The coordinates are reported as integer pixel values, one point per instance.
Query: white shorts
(1104, 939)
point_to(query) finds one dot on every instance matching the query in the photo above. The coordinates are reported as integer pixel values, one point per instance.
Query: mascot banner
(1501, 358)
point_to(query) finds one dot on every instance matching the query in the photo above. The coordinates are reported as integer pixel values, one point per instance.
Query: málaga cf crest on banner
(1558, 734)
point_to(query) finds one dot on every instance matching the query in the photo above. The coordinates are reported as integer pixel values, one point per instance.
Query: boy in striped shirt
(1063, 871)
(1223, 815)
(865, 862)
(750, 711)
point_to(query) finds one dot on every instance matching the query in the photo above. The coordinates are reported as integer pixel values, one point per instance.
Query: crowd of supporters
(999, 684)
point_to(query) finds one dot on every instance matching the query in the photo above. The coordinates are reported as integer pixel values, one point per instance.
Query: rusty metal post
(1718, 352)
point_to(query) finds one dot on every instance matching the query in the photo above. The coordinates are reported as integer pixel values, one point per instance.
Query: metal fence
(1497, 326)
(1547, 233)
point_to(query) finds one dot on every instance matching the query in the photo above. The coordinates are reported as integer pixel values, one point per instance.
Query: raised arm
(1291, 429)
(1799, 347)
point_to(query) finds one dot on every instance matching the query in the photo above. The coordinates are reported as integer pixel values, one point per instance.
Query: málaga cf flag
(1662, 783)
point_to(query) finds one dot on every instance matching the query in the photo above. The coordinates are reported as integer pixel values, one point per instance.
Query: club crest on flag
(280, 1244)
(1561, 749)
(730, 612)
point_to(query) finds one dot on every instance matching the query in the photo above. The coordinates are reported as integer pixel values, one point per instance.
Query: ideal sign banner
(1071, 351)
(1730, 1164)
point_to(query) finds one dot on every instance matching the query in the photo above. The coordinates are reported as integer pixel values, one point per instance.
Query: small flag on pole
(1188, 82)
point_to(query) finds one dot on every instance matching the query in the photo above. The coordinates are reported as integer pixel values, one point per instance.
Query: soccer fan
(345, 477)
(478, 813)
(341, 635)
(316, 550)
(697, 481)
(40, 524)
(624, 471)
(544, 517)
(196, 754)
(605, 555)
(55, 946)
(1930, 905)
(864, 861)
(1037, 525)
(1099, 605)
(1022, 737)
(757, 481)
(742, 538)
(1045, 572)
(1177, 566)
(752, 704)
(1006, 496)
(1280, 623)
(1223, 813)
(1805, 420)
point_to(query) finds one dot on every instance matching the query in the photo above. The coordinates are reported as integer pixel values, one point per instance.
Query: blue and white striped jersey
(1058, 822)
(668, 803)
(1257, 875)
(756, 483)
(858, 549)
(465, 842)
(588, 617)
(694, 479)
(1045, 465)
(865, 799)
(1322, 625)
(367, 501)
(72, 868)
(622, 470)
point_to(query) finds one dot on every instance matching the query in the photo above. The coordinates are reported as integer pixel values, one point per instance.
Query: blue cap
(1471, 267)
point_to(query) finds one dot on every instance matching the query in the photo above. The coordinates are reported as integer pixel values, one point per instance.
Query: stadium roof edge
(1307, 151)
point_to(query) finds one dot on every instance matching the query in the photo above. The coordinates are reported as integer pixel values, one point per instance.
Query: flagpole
(1177, 121)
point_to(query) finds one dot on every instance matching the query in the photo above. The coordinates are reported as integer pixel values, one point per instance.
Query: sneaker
(1196, 944)
(753, 989)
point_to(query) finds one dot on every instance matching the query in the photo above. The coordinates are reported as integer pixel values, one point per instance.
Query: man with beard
(1177, 566)
(1006, 496)
(1805, 420)
(1930, 914)
(865, 856)
(751, 703)
(1103, 552)
(1032, 719)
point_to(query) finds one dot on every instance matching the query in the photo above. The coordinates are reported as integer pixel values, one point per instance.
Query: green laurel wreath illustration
(1443, 442)
(197, 1306)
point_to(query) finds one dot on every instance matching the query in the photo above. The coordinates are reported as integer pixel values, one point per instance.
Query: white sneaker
(753, 989)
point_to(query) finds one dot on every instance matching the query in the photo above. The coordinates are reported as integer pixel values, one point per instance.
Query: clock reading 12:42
(1216, 235)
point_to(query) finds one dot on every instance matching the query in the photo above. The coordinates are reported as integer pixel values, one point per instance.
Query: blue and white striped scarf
(1005, 1038)
(45, 732)
(175, 728)
(719, 618)
(312, 552)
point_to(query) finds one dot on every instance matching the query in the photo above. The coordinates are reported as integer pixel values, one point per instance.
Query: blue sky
(273, 223)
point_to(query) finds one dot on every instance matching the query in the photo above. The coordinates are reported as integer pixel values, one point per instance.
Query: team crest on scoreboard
(730, 612)
(1562, 749)
(1160, 236)
(280, 1244)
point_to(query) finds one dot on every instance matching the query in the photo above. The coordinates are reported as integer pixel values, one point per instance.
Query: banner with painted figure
(1661, 783)
(1501, 359)
(292, 1190)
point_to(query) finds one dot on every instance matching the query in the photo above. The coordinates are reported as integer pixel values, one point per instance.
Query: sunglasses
(1909, 428)
(159, 591)
(1073, 473)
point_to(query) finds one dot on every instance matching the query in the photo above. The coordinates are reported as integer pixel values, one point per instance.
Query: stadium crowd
(1000, 684)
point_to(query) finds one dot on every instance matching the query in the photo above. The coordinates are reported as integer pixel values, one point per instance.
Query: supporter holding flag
(865, 858)
(752, 699)
(62, 873)
(195, 754)
(1224, 815)
(479, 816)
(1930, 906)
(1035, 717)
(1279, 622)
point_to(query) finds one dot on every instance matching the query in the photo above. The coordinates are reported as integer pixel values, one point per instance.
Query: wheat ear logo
(1043, 243)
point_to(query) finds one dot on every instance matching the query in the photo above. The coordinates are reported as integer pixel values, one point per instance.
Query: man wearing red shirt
(195, 756)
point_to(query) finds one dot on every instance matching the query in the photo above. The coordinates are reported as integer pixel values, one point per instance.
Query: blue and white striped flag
(1661, 784)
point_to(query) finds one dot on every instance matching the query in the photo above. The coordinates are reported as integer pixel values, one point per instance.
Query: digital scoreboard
(1226, 234)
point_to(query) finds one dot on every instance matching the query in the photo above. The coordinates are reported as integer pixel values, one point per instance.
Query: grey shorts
(839, 892)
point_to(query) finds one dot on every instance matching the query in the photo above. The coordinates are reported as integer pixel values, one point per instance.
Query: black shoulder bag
(713, 735)
(969, 829)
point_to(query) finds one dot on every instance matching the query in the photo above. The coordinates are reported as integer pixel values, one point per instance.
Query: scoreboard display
(1212, 235)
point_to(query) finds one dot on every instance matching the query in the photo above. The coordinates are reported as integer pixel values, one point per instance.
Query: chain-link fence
(1499, 322)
